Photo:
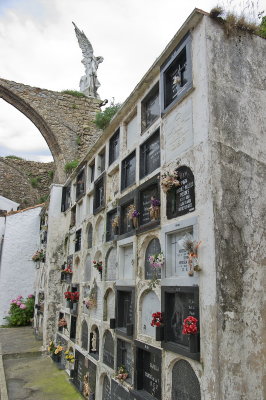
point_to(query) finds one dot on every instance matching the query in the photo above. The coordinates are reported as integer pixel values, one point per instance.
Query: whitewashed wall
(17, 270)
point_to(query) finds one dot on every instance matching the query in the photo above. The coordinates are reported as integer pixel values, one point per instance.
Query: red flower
(190, 326)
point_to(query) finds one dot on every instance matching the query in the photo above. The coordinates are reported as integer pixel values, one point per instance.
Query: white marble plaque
(111, 265)
(128, 262)
(178, 130)
(150, 305)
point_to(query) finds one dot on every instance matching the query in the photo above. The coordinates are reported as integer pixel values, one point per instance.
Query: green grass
(35, 182)
(74, 93)
(11, 157)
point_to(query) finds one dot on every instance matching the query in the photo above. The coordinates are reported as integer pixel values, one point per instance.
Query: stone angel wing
(84, 43)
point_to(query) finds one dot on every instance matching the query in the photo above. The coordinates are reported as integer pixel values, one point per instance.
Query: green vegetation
(78, 140)
(103, 118)
(232, 22)
(262, 27)
(71, 165)
(11, 157)
(35, 181)
(21, 311)
(43, 199)
(74, 93)
(51, 174)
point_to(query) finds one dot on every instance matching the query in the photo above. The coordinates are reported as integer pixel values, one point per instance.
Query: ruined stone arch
(65, 122)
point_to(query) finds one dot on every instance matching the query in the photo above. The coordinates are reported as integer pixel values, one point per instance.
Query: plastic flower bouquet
(190, 326)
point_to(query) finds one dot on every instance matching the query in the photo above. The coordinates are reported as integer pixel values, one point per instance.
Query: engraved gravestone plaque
(111, 265)
(108, 350)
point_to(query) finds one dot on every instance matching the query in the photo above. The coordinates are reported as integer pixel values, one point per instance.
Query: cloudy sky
(38, 47)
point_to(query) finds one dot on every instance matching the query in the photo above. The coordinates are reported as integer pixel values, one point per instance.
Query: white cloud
(38, 46)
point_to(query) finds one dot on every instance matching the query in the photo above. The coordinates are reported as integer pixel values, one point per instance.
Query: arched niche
(149, 304)
(87, 268)
(86, 292)
(98, 257)
(185, 384)
(99, 230)
(106, 394)
(94, 342)
(89, 235)
(109, 305)
(153, 247)
(84, 335)
(108, 349)
(111, 265)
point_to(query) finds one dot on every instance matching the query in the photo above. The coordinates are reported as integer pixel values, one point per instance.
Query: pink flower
(22, 306)
(30, 296)
(13, 301)
(19, 297)
(18, 303)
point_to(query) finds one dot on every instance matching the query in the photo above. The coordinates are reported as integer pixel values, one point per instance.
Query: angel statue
(89, 83)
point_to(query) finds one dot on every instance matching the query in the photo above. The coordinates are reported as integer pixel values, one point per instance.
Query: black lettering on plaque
(180, 305)
(181, 199)
(151, 375)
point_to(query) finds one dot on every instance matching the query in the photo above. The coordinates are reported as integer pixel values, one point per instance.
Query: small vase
(159, 333)
(194, 344)
(135, 222)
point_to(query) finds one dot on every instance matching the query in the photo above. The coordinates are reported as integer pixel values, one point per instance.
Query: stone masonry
(65, 121)
(26, 182)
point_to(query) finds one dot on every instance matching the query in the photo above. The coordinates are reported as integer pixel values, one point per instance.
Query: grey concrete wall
(237, 135)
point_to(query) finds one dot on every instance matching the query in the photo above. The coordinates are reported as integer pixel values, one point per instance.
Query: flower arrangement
(133, 215)
(51, 348)
(58, 349)
(68, 270)
(169, 180)
(62, 323)
(70, 356)
(154, 209)
(21, 311)
(156, 260)
(122, 373)
(91, 301)
(192, 249)
(73, 297)
(115, 222)
(39, 255)
(190, 326)
(98, 265)
(157, 319)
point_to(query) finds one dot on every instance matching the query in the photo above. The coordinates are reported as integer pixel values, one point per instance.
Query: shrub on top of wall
(21, 311)
(71, 165)
(103, 118)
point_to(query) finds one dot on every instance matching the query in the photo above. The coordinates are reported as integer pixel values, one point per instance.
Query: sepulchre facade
(194, 114)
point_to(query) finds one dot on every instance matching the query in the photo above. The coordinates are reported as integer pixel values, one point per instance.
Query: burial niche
(185, 384)
(111, 265)
(106, 389)
(87, 270)
(84, 335)
(94, 343)
(108, 350)
(153, 248)
(149, 305)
